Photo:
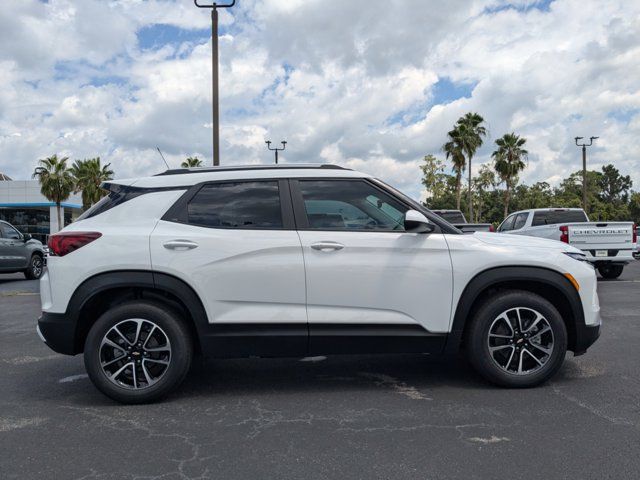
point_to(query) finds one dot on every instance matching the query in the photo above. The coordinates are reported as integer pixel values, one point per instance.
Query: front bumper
(586, 335)
(58, 332)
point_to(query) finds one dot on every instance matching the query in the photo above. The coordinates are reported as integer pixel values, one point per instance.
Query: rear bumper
(57, 331)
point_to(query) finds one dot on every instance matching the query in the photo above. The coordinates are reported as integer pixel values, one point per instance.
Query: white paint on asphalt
(27, 359)
(491, 439)
(73, 378)
(7, 424)
(313, 359)
(398, 386)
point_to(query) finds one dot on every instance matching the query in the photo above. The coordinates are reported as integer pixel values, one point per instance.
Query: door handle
(327, 246)
(180, 245)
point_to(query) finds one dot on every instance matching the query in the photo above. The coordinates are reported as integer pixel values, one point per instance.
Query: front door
(236, 245)
(371, 286)
(13, 253)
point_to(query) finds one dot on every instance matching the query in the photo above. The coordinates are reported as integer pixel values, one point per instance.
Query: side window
(245, 205)
(520, 220)
(350, 205)
(9, 232)
(507, 225)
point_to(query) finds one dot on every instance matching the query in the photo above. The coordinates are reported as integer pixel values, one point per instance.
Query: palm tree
(56, 181)
(470, 130)
(453, 151)
(88, 175)
(510, 160)
(191, 162)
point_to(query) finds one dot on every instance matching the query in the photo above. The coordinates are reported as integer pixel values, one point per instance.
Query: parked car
(458, 220)
(608, 246)
(297, 260)
(20, 252)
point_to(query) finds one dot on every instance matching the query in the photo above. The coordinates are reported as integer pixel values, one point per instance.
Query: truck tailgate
(601, 235)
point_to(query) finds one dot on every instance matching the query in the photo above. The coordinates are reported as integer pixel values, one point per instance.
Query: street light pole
(584, 168)
(215, 99)
(284, 145)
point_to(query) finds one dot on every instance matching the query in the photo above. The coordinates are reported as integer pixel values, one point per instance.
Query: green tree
(191, 162)
(634, 207)
(484, 181)
(509, 161)
(470, 132)
(614, 188)
(56, 181)
(88, 175)
(453, 151)
(433, 178)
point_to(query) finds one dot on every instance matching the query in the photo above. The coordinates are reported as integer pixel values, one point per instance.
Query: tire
(609, 271)
(161, 354)
(503, 366)
(36, 267)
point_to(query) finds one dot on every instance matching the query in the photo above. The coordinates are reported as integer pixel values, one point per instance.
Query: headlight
(581, 257)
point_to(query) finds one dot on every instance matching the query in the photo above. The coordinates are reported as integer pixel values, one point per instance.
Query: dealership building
(22, 205)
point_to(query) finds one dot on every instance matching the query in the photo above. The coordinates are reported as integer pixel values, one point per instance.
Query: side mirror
(416, 222)
(26, 237)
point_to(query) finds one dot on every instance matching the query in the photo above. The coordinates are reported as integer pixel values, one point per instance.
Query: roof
(191, 176)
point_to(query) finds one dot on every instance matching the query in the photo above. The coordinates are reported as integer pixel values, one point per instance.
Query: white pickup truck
(609, 246)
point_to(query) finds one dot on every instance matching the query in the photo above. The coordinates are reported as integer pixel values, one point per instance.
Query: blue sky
(339, 81)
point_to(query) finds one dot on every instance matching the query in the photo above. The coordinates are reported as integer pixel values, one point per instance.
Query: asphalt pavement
(359, 417)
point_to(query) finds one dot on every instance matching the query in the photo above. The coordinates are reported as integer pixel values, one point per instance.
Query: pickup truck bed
(607, 245)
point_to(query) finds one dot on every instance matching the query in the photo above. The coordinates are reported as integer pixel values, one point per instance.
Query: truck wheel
(35, 268)
(610, 271)
(138, 352)
(516, 339)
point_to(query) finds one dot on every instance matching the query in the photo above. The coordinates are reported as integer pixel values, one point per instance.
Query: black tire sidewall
(476, 340)
(611, 272)
(181, 351)
(29, 271)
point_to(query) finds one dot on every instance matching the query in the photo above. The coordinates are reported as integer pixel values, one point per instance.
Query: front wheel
(138, 352)
(610, 271)
(517, 339)
(36, 267)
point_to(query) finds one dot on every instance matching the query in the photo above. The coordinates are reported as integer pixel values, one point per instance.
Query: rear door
(371, 286)
(236, 245)
(13, 253)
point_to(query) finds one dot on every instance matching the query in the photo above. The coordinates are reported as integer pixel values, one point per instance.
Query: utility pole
(284, 145)
(215, 99)
(584, 168)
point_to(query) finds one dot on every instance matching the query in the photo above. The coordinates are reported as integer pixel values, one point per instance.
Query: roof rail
(282, 166)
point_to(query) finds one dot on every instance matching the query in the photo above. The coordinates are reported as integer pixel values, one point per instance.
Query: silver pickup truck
(609, 246)
(458, 220)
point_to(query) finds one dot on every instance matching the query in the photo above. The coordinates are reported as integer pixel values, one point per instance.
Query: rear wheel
(138, 352)
(610, 271)
(36, 267)
(517, 339)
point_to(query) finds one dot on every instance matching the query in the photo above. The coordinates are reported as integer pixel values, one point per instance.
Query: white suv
(296, 260)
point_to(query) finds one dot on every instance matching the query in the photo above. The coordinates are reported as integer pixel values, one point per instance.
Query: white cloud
(344, 82)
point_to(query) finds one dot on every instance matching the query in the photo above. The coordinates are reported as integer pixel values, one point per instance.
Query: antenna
(165, 162)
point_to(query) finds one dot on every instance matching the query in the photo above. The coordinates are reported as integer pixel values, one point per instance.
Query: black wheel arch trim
(62, 331)
(500, 275)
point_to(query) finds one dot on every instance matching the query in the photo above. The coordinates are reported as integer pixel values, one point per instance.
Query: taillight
(635, 234)
(63, 243)
(491, 229)
(564, 234)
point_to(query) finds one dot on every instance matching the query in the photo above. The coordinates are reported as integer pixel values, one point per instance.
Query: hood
(503, 239)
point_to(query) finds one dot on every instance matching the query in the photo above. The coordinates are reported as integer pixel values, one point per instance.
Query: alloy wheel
(36, 266)
(520, 341)
(135, 354)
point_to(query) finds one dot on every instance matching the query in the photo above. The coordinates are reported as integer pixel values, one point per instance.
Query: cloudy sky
(374, 85)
